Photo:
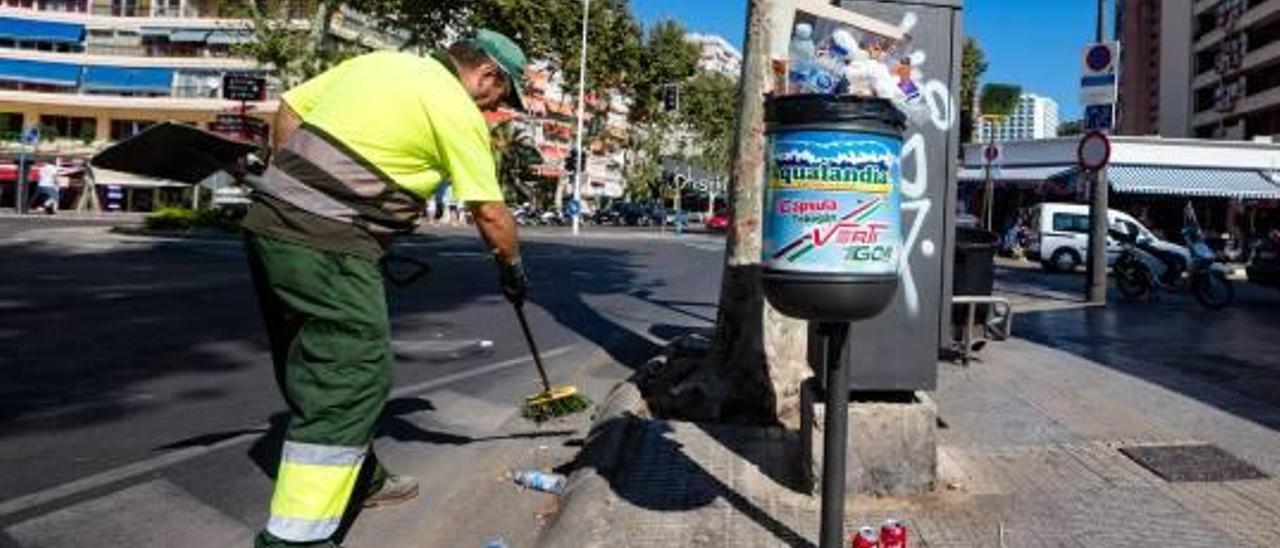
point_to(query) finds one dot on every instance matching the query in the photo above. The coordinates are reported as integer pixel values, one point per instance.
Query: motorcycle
(525, 215)
(1145, 267)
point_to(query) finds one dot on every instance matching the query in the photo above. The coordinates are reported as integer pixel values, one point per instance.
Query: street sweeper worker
(358, 152)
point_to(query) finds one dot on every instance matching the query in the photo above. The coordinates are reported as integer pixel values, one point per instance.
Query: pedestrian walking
(47, 192)
(359, 151)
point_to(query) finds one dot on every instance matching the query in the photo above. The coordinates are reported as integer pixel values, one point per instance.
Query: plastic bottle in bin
(807, 74)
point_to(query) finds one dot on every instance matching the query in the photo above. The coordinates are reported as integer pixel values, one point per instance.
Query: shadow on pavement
(652, 471)
(86, 330)
(1227, 358)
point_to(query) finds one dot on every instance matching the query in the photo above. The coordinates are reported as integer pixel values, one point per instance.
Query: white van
(1060, 235)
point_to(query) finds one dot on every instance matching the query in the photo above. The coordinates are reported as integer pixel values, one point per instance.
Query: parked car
(1059, 237)
(718, 222)
(608, 215)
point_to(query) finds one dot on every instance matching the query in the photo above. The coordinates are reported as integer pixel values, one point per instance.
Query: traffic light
(670, 98)
(571, 161)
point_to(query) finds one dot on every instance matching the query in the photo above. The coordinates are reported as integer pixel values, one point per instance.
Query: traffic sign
(1100, 59)
(243, 87)
(573, 208)
(1094, 151)
(1098, 84)
(1099, 117)
(31, 135)
(992, 153)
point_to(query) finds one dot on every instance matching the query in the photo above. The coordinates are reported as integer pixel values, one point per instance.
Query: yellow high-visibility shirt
(407, 116)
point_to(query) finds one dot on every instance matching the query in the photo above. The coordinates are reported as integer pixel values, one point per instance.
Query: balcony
(1259, 14)
(1249, 104)
(1257, 59)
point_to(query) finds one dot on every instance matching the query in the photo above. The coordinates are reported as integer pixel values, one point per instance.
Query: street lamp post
(582, 111)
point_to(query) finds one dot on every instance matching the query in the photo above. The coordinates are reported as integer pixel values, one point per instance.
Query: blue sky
(1033, 43)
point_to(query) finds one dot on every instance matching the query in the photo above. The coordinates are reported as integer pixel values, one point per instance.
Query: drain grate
(1180, 463)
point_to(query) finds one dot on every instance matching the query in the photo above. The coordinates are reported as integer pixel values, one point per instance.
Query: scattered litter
(540, 481)
(496, 543)
(954, 486)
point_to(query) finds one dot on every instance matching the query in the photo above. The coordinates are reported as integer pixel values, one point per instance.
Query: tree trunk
(319, 39)
(760, 355)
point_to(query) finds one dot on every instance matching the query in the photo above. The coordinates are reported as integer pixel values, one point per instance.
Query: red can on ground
(893, 534)
(865, 538)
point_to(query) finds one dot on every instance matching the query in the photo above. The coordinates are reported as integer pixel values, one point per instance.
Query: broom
(552, 402)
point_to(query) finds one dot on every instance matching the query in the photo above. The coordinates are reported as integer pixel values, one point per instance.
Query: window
(10, 126)
(124, 129)
(124, 8)
(69, 127)
(166, 8)
(1070, 222)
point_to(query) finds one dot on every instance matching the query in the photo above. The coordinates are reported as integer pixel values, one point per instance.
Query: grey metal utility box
(898, 351)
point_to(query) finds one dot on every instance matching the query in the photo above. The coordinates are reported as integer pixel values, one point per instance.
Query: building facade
(716, 54)
(1155, 67)
(1035, 118)
(1236, 69)
(551, 121)
(86, 73)
(1200, 68)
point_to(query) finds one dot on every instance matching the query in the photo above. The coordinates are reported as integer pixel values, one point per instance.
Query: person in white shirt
(47, 187)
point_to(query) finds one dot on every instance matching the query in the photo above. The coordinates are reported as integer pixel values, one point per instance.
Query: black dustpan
(177, 152)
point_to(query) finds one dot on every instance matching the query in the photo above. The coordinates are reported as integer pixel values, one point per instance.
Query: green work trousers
(326, 318)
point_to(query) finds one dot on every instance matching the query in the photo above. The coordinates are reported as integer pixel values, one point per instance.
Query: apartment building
(1035, 118)
(87, 72)
(1236, 68)
(552, 120)
(716, 54)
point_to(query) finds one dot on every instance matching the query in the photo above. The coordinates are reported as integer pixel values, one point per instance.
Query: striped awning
(1193, 182)
(230, 38)
(1017, 174)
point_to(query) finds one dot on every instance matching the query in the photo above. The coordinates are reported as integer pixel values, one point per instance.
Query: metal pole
(21, 184)
(1096, 284)
(835, 433)
(582, 112)
(1102, 25)
(1096, 291)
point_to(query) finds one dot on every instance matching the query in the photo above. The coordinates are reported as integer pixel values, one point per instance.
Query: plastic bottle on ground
(540, 481)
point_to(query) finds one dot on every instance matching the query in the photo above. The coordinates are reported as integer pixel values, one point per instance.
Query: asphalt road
(119, 351)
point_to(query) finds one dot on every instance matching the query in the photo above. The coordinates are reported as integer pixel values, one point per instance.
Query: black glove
(515, 285)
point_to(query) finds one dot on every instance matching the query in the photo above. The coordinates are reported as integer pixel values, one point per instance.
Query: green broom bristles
(560, 401)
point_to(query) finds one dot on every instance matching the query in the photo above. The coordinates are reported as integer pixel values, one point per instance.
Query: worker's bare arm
(498, 229)
(287, 122)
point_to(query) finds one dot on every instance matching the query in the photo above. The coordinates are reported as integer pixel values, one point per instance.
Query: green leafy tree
(1070, 128)
(1000, 100)
(708, 107)
(973, 65)
(666, 58)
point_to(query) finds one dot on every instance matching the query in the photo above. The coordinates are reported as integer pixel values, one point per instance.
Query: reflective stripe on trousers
(312, 489)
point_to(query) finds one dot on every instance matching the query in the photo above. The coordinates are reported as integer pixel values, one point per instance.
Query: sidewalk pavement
(1028, 456)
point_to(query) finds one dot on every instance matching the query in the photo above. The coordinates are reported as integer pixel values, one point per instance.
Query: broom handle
(533, 347)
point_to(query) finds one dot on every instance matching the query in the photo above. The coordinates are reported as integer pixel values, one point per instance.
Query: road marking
(26, 502)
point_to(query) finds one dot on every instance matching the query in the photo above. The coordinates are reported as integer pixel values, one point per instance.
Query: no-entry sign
(1094, 151)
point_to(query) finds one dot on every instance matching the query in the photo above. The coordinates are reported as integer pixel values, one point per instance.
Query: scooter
(1143, 269)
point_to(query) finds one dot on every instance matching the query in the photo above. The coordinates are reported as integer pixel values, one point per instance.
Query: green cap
(510, 59)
